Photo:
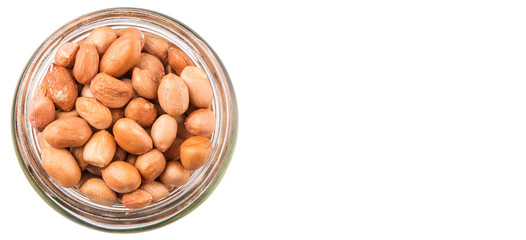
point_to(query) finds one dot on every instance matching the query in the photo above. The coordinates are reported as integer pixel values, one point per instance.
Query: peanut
(60, 87)
(98, 191)
(173, 95)
(100, 149)
(141, 111)
(174, 174)
(86, 92)
(156, 46)
(181, 129)
(59, 114)
(199, 87)
(120, 154)
(164, 132)
(121, 177)
(156, 189)
(111, 92)
(178, 60)
(201, 122)
(67, 132)
(65, 55)
(174, 151)
(86, 63)
(61, 166)
(41, 112)
(132, 32)
(78, 154)
(94, 112)
(137, 199)
(101, 37)
(144, 83)
(150, 165)
(131, 159)
(195, 152)
(131, 101)
(131, 136)
(42, 141)
(121, 56)
(94, 170)
(151, 63)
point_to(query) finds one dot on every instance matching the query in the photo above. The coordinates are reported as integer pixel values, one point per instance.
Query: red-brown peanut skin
(156, 189)
(151, 63)
(131, 159)
(101, 37)
(94, 112)
(41, 112)
(181, 129)
(137, 199)
(178, 60)
(201, 122)
(98, 191)
(59, 114)
(150, 165)
(111, 92)
(141, 111)
(121, 177)
(59, 86)
(67, 132)
(116, 114)
(41, 141)
(173, 95)
(195, 152)
(86, 63)
(61, 166)
(94, 170)
(120, 154)
(131, 137)
(78, 154)
(86, 92)
(164, 132)
(144, 83)
(66, 53)
(174, 174)
(132, 32)
(121, 56)
(199, 88)
(156, 46)
(174, 151)
(100, 149)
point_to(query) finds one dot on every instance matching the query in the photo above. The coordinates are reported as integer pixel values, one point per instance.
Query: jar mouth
(182, 200)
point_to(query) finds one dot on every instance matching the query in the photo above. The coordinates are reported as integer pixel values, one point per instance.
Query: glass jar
(69, 201)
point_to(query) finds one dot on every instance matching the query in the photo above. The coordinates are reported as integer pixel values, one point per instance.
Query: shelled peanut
(115, 122)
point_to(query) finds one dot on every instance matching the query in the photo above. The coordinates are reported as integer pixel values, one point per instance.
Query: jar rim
(227, 150)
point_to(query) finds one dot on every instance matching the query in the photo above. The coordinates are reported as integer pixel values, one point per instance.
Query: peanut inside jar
(123, 117)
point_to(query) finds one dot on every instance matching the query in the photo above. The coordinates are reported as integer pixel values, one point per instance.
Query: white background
(358, 120)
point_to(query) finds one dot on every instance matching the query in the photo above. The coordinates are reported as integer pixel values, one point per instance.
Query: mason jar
(182, 200)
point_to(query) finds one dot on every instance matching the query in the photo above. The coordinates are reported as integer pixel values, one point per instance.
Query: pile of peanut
(122, 116)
